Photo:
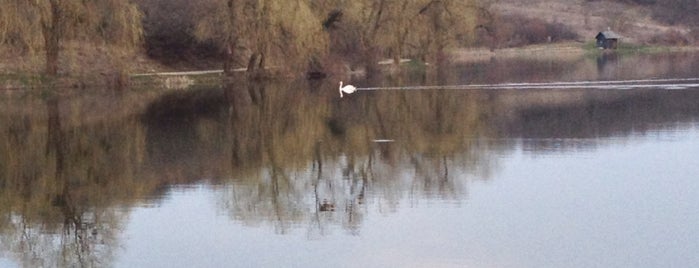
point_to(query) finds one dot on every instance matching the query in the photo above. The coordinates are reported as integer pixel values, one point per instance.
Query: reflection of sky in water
(605, 178)
(6, 263)
(627, 203)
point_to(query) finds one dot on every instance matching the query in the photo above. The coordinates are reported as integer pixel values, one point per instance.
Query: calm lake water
(287, 174)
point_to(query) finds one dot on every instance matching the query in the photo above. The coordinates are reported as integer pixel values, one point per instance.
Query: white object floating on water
(349, 89)
(383, 140)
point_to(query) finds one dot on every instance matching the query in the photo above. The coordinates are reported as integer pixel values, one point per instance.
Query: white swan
(349, 89)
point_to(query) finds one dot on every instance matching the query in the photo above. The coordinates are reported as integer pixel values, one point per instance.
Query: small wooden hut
(607, 39)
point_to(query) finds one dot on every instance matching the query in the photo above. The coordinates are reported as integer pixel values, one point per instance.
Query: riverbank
(555, 50)
(81, 65)
(88, 67)
(563, 50)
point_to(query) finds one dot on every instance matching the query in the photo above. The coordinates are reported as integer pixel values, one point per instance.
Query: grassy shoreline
(558, 51)
(146, 72)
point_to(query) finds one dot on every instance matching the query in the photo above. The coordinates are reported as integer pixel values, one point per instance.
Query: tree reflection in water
(315, 162)
(284, 155)
(62, 182)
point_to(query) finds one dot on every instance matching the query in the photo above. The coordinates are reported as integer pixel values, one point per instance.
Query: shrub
(515, 30)
(670, 38)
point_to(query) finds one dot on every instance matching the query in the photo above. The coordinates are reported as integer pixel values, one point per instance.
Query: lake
(587, 161)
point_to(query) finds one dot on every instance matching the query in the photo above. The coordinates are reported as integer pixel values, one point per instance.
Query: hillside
(637, 23)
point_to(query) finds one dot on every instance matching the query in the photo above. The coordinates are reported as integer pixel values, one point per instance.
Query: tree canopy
(260, 33)
(44, 25)
(291, 35)
(266, 32)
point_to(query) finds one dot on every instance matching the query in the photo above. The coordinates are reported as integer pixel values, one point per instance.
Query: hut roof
(608, 34)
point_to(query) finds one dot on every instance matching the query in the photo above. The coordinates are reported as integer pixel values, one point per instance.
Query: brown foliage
(263, 33)
(677, 11)
(515, 30)
(43, 25)
(671, 38)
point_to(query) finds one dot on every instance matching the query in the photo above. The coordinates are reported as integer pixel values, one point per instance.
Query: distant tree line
(258, 34)
(291, 35)
(330, 34)
(318, 35)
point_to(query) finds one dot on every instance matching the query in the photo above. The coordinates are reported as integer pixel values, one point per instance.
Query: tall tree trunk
(371, 60)
(52, 34)
(261, 65)
(397, 49)
(230, 58)
(231, 42)
(401, 35)
(252, 62)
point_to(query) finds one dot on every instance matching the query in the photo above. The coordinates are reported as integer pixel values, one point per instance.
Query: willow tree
(366, 20)
(267, 33)
(44, 25)
(444, 24)
(424, 28)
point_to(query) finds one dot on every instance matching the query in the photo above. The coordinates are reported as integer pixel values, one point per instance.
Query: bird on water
(349, 89)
